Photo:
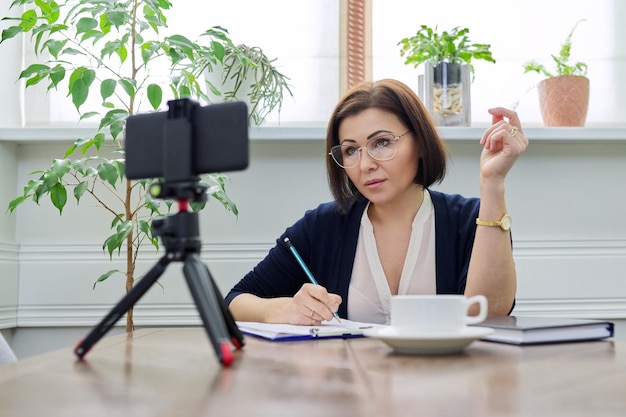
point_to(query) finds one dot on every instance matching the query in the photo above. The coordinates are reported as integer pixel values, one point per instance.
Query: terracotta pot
(564, 100)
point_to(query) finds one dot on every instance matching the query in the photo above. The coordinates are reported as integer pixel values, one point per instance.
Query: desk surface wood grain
(174, 372)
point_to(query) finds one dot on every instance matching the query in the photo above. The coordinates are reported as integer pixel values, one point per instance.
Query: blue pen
(305, 268)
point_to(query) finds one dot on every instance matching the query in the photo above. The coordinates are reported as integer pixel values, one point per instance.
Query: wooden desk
(173, 372)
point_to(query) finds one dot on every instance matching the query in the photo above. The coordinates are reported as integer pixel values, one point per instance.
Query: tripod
(181, 238)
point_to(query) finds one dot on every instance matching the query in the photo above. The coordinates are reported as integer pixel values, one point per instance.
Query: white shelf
(315, 133)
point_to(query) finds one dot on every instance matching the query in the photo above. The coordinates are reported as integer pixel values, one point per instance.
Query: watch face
(506, 223)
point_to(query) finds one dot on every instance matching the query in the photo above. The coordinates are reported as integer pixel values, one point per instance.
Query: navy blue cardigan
(327, 239)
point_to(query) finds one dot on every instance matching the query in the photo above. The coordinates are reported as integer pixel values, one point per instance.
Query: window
(304, 37)
(518, 31)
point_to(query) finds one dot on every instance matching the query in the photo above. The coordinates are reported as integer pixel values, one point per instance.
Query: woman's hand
(502, 144)
(311, 305)
(308, 307)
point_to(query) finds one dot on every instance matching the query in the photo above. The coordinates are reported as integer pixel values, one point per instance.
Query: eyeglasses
(380, 148)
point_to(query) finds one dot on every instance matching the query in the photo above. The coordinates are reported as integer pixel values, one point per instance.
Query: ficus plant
(561, 61)
(112, 49)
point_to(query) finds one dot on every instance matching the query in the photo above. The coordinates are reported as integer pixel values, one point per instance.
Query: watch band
(486, 223)
(504, 223)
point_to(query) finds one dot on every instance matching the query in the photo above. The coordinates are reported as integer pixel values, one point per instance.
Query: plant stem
(130, 259)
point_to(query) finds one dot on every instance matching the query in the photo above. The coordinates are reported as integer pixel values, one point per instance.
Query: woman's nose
(366, 161)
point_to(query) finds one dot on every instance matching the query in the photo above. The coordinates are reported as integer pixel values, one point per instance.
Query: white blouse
(369, 294)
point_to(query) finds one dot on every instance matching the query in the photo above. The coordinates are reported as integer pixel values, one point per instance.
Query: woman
(387, 233)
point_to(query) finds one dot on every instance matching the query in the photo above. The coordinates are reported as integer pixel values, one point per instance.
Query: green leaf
(184, 91)
(17, 201)
(129, 86)
(54, 47)
(108, 172)
(152, 204)
(181, 42)
(60, 167)
(50, 179)
(144, 226)
(11, 33)
(56, 75)
(34, 80)
(148, 50)
(218, 50)
(72, 51)
(89, 114)
(58, 196)
(117, 18)
(106, 275)
(110, 48)
(79, 93)
(34, 69)
(89, 76)
(85, 146)
(29, 20)
(116, 240)
(116, 128)
(49, 10)
(79, 190)
(155, 95)
(116, 219)
(107, 88)
(119, 166)
(122, 52)
(85, 24)
(98, 140)
(115, 120)
(104, 23)
(31, 185)
(80, 81)
(78, 165)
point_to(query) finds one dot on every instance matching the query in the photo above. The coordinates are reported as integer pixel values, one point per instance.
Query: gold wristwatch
(504, 223)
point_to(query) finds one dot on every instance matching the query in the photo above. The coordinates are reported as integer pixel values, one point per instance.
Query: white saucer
(428, 344)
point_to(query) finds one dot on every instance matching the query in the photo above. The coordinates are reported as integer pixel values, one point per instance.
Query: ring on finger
(513, 131)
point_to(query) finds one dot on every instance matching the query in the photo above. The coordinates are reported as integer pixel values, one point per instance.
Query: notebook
(529, 330)
(285, 332)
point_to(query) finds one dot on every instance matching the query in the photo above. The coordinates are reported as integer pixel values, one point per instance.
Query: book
(285, 332)
(529, 330)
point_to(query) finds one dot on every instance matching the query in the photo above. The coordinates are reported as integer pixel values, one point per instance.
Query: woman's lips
(374, 183)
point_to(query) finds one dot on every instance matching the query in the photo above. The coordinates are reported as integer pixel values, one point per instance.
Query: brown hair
(397, 98)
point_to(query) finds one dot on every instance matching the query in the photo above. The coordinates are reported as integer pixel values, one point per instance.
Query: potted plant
(110, 48)
(564, 93)
(447, 57)
(254, 80)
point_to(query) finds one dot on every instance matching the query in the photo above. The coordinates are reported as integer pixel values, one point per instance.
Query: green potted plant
(109, 48)
(260, 85)
(447, 58)
(564, 92)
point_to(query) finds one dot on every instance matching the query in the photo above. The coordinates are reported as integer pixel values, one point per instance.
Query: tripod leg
(231, 325)
(206, 300)
(122, 307)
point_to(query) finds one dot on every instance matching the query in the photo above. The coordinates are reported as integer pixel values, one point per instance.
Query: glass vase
(445, 90)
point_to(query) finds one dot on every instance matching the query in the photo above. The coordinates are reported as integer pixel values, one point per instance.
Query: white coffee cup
(420, 314)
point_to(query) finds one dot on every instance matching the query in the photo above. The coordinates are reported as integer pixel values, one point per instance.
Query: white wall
(8, 245)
